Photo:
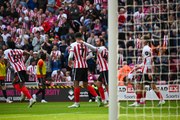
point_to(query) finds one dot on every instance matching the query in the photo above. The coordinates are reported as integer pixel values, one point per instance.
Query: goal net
(152, 91)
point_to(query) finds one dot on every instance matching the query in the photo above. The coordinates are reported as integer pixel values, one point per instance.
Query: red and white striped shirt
(102, 58)
(147, 59)
(32, 73)
(138, 43)
(57, 77)
(147, 64)
(138, 18)
(98, 1)
(19, 31)
(135, 72)
(16, 59)
(165, 41)
(80, 51)
(55, 54)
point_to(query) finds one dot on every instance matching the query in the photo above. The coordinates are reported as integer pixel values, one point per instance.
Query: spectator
(74, 12)
(57, 76)
(5, 35)
(91, 39)
(46, 45)
(57, 5)
(42, 4)
(2, 43)
(68, 78)
(50, 5)
(37, 41)
(31, 71)
(55, 59)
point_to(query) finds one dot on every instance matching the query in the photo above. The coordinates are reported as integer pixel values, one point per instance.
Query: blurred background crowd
(49, 26)
(154, 21)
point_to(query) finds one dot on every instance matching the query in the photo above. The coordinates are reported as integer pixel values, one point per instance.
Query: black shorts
(103, 77)
(145, 79)
(2, 83)
(80, 74)
(20, 77)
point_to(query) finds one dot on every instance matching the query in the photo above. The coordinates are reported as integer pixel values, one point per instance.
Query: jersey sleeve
(53, 73)
(71, 52)
(71, 48)
(28, 68)
(5, 54)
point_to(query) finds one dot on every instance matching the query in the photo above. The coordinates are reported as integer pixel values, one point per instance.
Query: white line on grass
(142, 107)
(75, 113)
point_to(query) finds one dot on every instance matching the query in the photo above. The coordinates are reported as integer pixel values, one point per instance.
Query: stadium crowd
(49, 26)
(155, 21)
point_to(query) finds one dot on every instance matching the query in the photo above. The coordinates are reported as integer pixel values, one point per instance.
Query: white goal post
(112, 45)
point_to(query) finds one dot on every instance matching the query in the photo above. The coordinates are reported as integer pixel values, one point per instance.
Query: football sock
(101, 92)
(138, 97)
(17, 87)
(4, 93)
(26, 92)
(76, 94)
(142, 97)
(39, 91)
(159, 95)
(92, 91)
(43, 94)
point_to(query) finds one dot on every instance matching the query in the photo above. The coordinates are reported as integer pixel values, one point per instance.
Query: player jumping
(147, 70)
(15, 57)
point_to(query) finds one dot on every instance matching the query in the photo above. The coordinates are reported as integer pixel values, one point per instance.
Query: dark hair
(11, 44)
(102, 41)
(78, 35)
(33, 60)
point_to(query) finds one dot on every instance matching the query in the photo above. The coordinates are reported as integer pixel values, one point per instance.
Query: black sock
(43, 94)
(4, 93)
(39, 91)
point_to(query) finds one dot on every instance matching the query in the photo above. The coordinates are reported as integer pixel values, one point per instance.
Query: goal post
(112, 45)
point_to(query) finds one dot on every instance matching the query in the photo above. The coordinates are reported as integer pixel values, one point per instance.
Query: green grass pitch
(88, 111)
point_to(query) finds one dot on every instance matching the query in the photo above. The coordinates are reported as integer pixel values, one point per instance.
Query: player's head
(78, 36)
(11, 44)
(146, 40)
(102, 42)
(99, 42)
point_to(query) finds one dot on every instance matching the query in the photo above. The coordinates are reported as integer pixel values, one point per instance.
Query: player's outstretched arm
(93, 48)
